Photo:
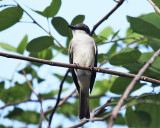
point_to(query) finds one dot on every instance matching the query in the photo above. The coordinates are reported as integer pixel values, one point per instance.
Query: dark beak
(72, 27)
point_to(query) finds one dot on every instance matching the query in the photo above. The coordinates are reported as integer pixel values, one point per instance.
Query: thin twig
(14, 104)
(30, 85)
(4, 5)
(94, 114)
(41, 108)
(120, 2)
(65, 99)
(61, 102)
(114, 103)
(34, 21)
(58, 98)
(154, 6)
(129, 88)
(96, 69)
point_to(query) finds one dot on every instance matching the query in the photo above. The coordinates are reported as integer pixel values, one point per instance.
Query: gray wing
(93, 75)
(72, 69)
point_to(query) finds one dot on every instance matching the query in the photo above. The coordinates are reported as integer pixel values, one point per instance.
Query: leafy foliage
(51, 10)
(126, 52)
(9, 17)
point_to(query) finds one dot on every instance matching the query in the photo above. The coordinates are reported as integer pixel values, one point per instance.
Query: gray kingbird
(83, 51)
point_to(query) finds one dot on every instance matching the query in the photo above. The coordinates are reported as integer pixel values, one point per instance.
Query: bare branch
(41, 110)
(67, 97)
(58, 98)
(30, 85)
(120, 2)
(154, 6)
(129, 88)
(96, 69)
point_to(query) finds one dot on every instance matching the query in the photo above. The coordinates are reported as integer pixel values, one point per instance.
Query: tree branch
(96, 69)
(34, 21)
(61, 102)
(120, 2)
(58, 98)
(109, 103)
(94, 113)
(154, 6)
(40, 101)
(129, 88)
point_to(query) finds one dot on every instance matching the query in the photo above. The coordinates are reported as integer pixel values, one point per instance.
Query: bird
(83, 51)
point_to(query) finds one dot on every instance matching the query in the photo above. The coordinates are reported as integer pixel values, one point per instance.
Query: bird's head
(81, 27)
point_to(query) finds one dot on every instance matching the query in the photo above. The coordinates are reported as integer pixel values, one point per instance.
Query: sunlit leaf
(7, 47)
(22, 46)
(106, 32)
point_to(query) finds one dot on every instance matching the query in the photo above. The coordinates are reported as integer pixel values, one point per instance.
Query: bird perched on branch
(83, 51)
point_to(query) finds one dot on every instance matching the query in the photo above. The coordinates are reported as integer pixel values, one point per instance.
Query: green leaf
(51, 10)
(113, 49)
(152, 18)
(142, 119)
(101, 87)
(69, 109)
(102, 57)
(98, 39)
(8, 47)
(120, 120)
(11, 96)
(22, 46)
(152, 108)
(125, 56)
(157, 2)
(150, 72)
(146, 56)
(29, 70)
(132, 36)
(39, 44)
(28, 117)
(120, 84)
(154, 43)
(78, 19)
(94, 103)
(106, 32)
(115, 34)
(61, 25)
(147, 25)
(9, 17)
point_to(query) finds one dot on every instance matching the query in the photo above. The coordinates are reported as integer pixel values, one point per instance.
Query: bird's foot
(76, 64)
(92, 68)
